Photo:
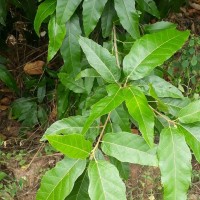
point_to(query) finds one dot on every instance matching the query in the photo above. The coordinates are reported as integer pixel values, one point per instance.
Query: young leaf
(190, 113)
(45, 9)
(127, 147)
(128, 16)
(174, 161)
(103, 107)
(65, 9)
(56, 35)
(72, 145)
(139, 109)
(59, 181)
(105, 183)
(151, 51)
(101, 60)
(192, 137)
(91, 13)
(70, 49)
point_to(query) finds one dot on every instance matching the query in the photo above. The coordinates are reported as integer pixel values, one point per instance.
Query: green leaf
(59, 181)
(87, 73)
(175, 164)
(42, 116)
(105, 183)
(68, 81)
(101, 60)
(127, 147)
(70, 49)
(159, 26)
(190, 113)
(149, 6)
(8, 79)
(80, 190)
(192, 137)
(2, 175)
(128, 16)
(45, 9)
(56, 35)
(65, 9)
(103, 107)
(92, 11)
(72, 145)
(139, 109)
(151, 51)
(122, 167)
(3, 12)
(107, 19)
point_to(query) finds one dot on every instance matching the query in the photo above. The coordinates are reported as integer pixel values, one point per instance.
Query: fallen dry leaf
(2, 107)
(34, 68)
(5, 101)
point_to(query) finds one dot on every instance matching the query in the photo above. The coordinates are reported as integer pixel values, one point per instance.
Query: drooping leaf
(105, 183)
(70, 49)
(91, 73)
(3, 12)
(59, 181)
(45, 9)
(42, 116)
(122, 167)
(107, 18)
(56, 35)
(80, 190)
(175, 164)
(127, 147)
(103, 107)
(149, 6)
(128, 16)
(101, 60)
(151, 51)
(92, 11)
(139, 109)
(65, 9)
(192, 137)
(190, 113)
(72, 145)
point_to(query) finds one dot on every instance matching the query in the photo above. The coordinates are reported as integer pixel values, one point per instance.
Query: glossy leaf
(70, 49)
(56, 35)
(72, 145)
(151, 51)
(190, 113)
(127, 147)
(139, 109)
(65, 9)
(101, 60)
(45, 9)
(103, 107)
(91, 73)
(105, 183)
(149, 6)
(92, 10)
(128, 16)
(175, 164)
(59, 181)
(192, 137)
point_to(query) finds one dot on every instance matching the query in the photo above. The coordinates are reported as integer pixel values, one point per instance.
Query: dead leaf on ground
(34, 68)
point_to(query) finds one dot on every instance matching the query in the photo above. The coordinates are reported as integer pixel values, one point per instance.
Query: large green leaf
(128, 147)
(107, 19)
(128, 16)
(151, 51)
(139, 109)
(92, 11)
(80, 190)
(56, 36)
(101, 60)
(65, 9)
(190, 113)
(59, 181)
(70, 50)
(105, 183)
(45, 9)
(103, 107)
(72, 145)
(149, 6)
(192, 137)
(175, 164)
